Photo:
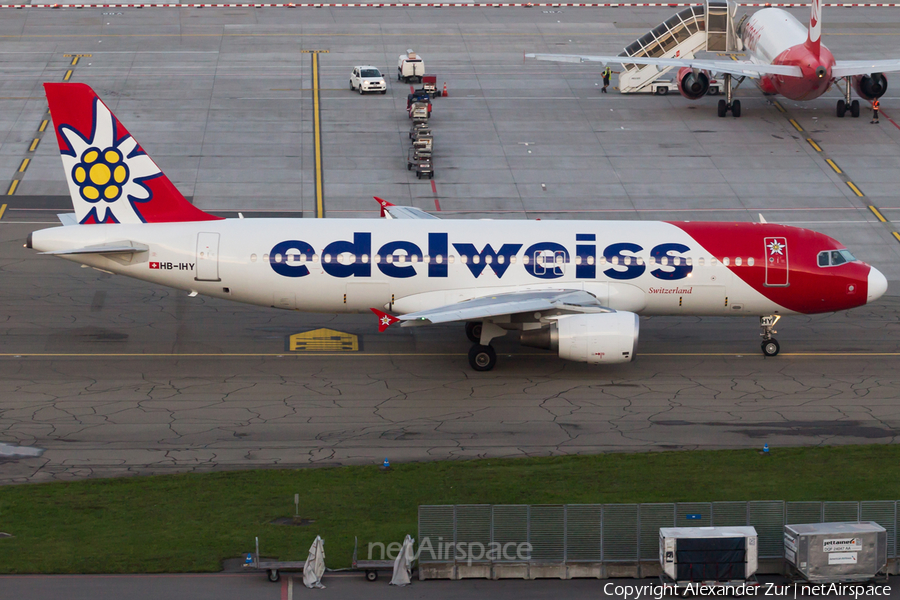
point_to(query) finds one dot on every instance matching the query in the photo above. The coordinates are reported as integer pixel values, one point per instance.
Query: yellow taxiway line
(317, 134)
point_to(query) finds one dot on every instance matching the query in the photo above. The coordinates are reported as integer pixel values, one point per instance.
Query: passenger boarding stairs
(681, 36)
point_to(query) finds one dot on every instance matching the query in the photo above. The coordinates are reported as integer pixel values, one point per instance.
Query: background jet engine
(870, 86)
(692, 85)
(600, 338)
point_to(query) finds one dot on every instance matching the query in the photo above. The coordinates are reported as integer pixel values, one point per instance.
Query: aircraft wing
(564, 301)
(739, 68)
(392, 211)
(125, 247)
(847, 68)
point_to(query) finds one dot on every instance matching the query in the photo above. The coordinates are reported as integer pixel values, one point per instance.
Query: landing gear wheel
(273, 575)
(854, 109)
(736, 109)
(770, 347)
(723, 108)
(371, 575)
(482, 358)
(841, 109)
(473, 331)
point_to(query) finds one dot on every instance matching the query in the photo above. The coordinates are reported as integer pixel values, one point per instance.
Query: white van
(410, 67)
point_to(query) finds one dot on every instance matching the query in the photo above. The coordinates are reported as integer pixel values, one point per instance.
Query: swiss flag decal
(154, 265)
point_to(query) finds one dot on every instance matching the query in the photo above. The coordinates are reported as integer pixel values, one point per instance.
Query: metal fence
(629, 532)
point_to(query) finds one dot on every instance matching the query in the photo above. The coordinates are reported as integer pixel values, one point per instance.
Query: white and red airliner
(576, 287)
(787, 58)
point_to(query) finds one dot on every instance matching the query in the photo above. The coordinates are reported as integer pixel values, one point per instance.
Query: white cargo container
(708, 554)
(410, 67)
(836, 552)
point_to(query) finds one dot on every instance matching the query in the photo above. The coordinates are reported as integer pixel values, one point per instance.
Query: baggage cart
(419, 129)
(429, 85)
(720, 558)
(272, 568)
(369, 566)
(419, 112)
(423, 142)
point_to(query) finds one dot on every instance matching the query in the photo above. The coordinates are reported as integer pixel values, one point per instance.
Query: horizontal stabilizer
(124, 247)
(392, 211)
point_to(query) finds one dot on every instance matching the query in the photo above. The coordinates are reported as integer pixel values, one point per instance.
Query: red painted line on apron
(885, 115)
(284, 594)
(437, 203)
(411, 90)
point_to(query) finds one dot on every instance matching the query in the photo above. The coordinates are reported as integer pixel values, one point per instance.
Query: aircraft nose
(877, 285)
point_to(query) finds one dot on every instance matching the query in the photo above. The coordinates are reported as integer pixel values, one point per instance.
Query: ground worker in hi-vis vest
(607, 72)
(875, 108)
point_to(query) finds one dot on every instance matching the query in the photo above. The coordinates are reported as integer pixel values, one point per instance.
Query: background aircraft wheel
(273, 575)
(841, 109)
(854, 109)
(371, 575)
(723, 108)
(473, 331)
(770, 347)
(482, 358)
(736, 108)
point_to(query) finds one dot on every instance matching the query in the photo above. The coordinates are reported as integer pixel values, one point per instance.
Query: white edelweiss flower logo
(106, 174)
(775, 248)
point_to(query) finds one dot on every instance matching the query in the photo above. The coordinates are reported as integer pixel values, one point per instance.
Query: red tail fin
(814, 41)
(111, 179)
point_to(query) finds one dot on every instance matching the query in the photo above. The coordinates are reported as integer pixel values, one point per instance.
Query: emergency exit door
(776, 253)
(207, 268)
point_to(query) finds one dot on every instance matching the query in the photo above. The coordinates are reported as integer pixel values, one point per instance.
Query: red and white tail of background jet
(787, 57)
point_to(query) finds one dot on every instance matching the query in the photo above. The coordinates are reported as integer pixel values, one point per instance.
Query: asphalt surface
(114, 377)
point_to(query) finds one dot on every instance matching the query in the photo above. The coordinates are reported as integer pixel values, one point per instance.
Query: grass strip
(190, 522)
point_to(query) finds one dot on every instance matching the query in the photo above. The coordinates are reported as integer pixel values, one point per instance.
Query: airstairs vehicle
(708, 27)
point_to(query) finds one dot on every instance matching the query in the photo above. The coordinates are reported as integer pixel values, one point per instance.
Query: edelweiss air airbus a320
(576, 287)
(785, 56)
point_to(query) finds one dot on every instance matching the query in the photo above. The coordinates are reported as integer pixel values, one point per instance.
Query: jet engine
(597, 338)
(870, 86)
(692, 85)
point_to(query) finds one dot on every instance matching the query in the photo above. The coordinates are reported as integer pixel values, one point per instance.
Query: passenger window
(726, 261)
(750, 262)
(700, 261)
(401, 259)
(590, 260)
(252, 258)
(365, 258)
(512, 260)
(440, 259)
(265, 258)
(738, 261)
(713, 262)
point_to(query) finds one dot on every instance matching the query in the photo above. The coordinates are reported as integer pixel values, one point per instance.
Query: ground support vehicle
(410, 67)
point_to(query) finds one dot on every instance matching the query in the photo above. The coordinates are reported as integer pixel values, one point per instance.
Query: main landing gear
(845, 104)
(482, 356)
(728, 104)
(769, 345)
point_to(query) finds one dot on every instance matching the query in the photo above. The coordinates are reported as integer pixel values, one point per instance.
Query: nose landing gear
(769, 345)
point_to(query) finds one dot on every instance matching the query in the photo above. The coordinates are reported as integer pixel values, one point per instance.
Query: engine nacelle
(692, 86)
(598, 338)
(870, 86)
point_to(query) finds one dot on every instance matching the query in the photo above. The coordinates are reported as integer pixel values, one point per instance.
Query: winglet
(384, 206)
(384, 320)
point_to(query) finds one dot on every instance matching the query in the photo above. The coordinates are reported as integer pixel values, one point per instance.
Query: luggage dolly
(421, 160)
(371, 567)
(272, 567)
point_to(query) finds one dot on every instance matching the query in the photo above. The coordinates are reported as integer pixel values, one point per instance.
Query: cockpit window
(833, 258)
